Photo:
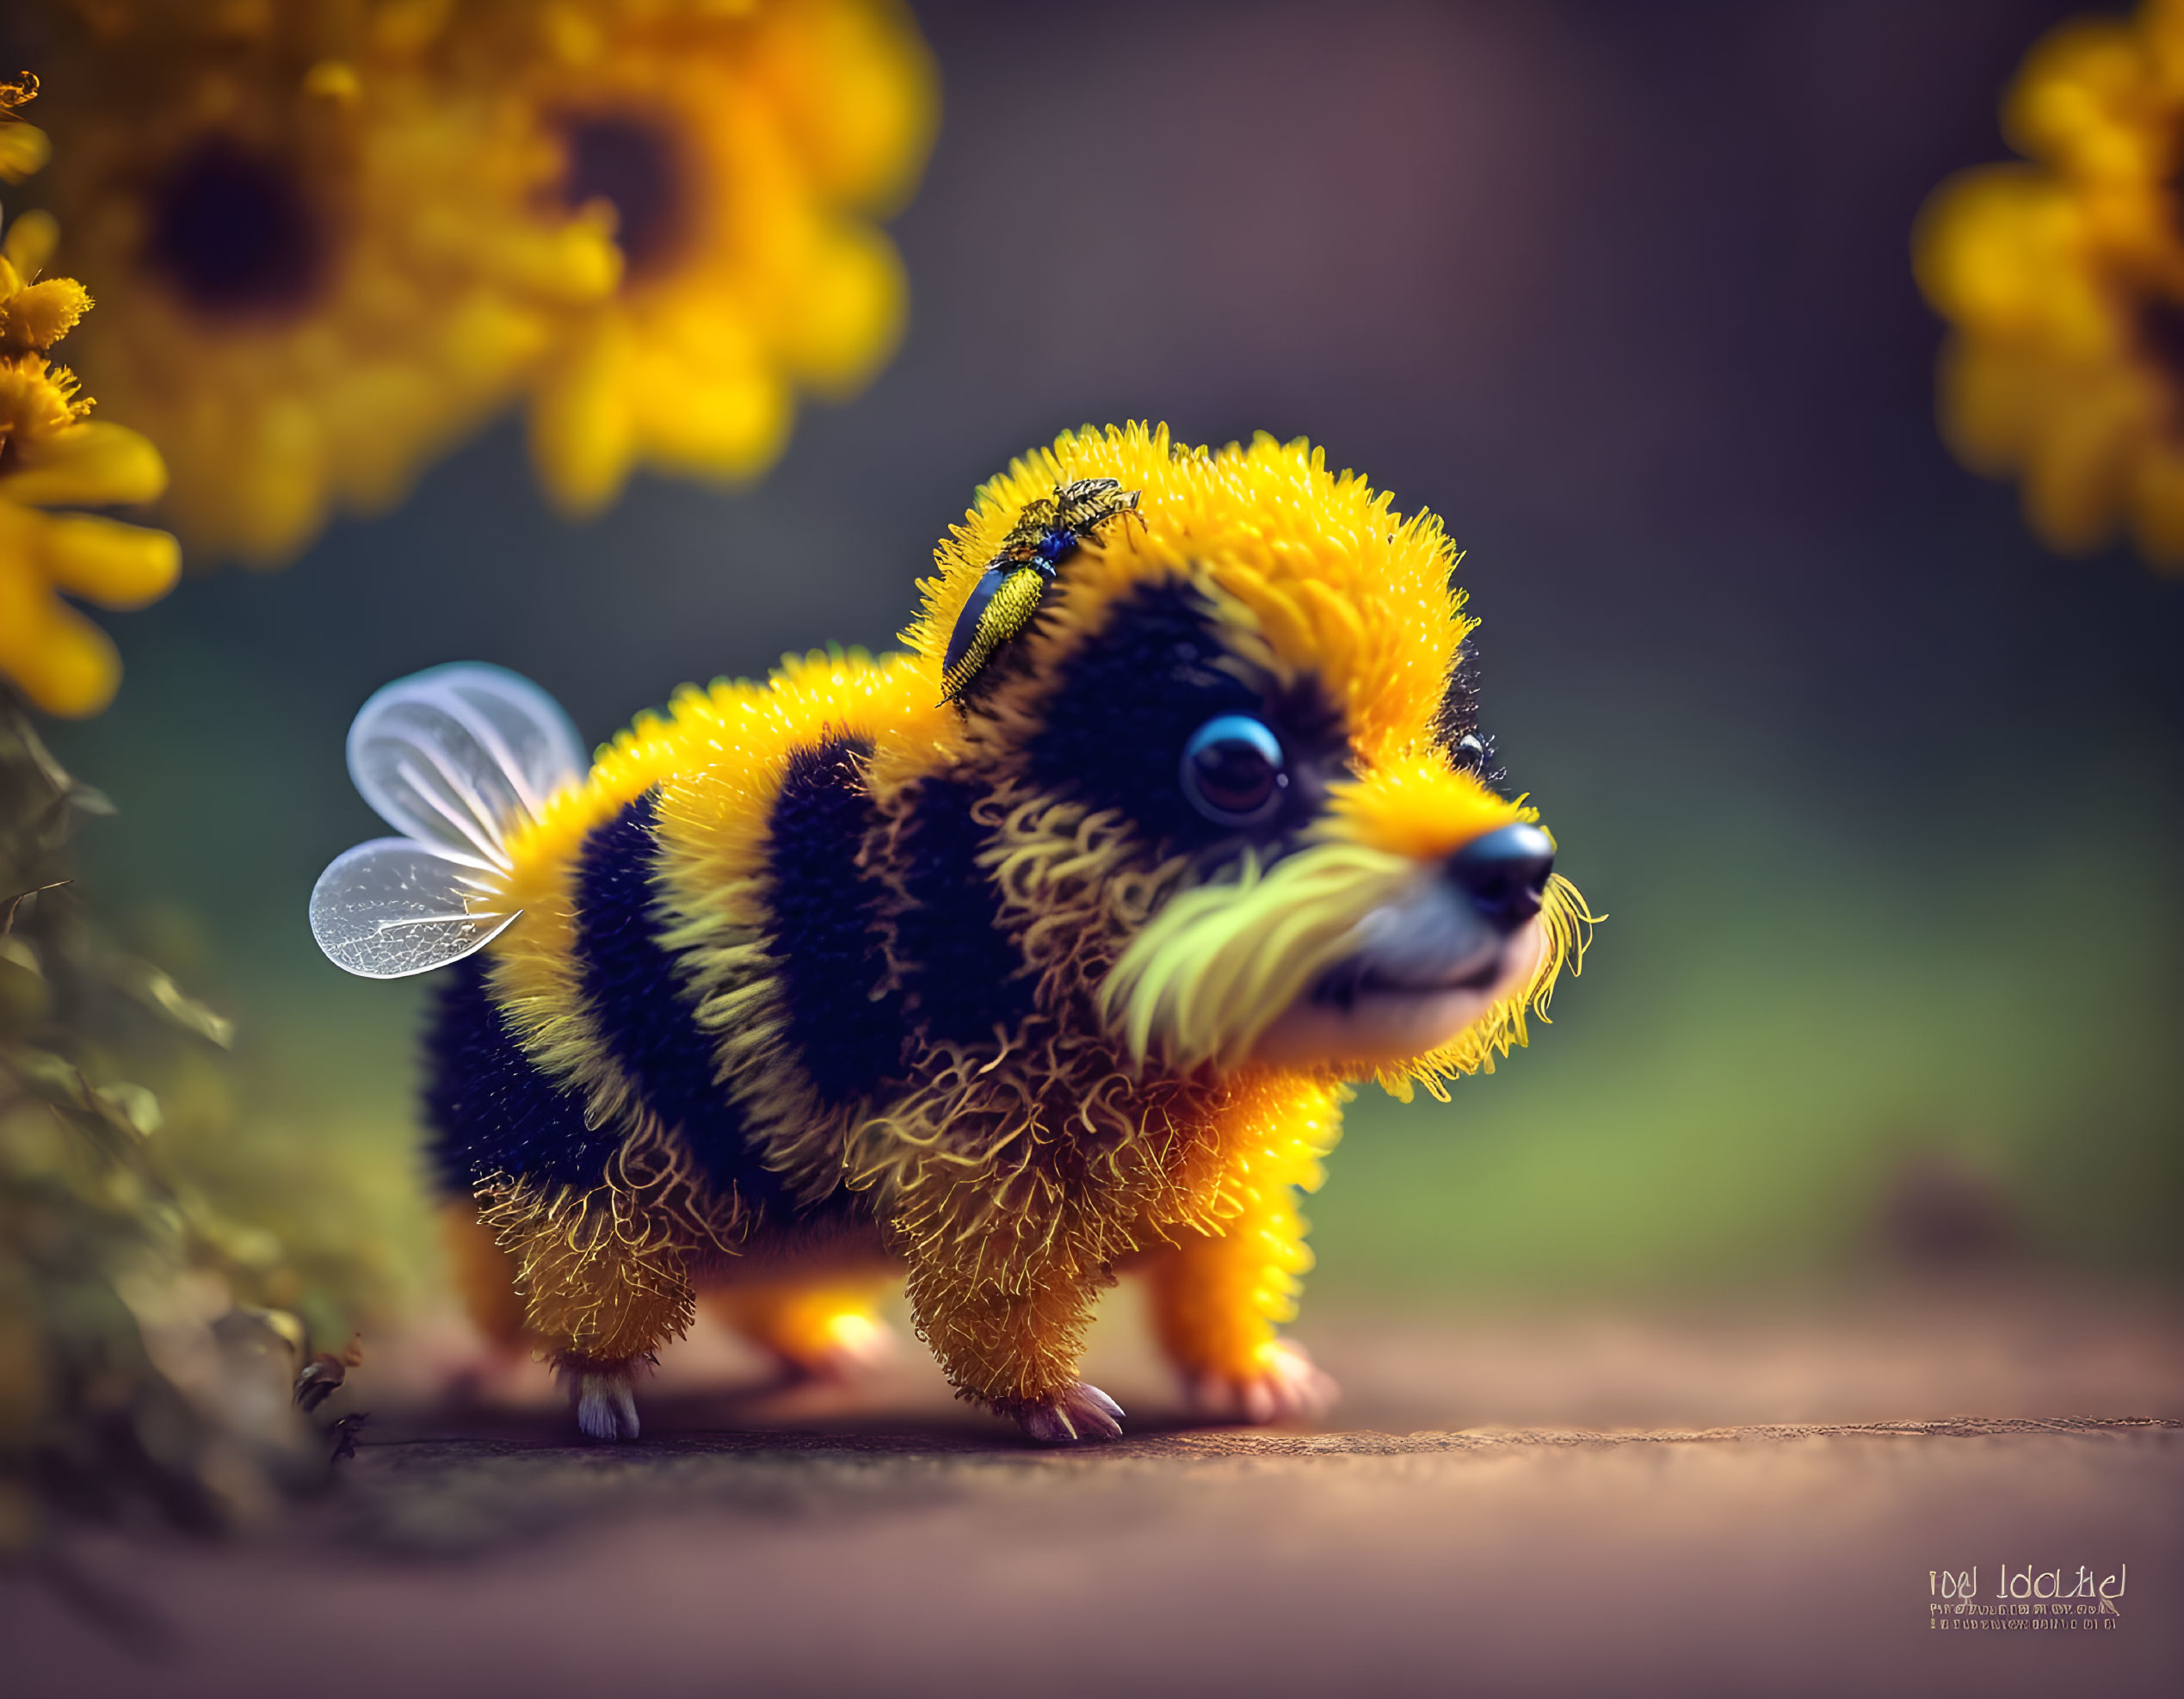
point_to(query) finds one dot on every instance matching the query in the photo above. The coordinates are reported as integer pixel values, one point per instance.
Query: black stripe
(1128, 700)
(963, 977)
(643, 1009)
(489, 1110)
(826, 923)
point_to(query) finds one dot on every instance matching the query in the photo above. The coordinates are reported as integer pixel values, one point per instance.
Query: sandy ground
(1692, 1503)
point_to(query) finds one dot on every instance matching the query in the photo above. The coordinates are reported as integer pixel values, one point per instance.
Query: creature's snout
(1504, 874)
(1422, 908)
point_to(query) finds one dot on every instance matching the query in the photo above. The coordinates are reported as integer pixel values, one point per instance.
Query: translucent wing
(457, 756)
(391, 908)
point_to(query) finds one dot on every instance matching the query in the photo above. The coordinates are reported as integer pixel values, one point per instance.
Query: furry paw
(603, 1393)
(1283, 1385)
(1080, 1412)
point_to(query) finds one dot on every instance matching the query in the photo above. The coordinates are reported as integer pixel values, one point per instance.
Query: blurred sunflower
(51, 455)
(316, 269)
(2062, 281)
(331, 240)
(741, 151)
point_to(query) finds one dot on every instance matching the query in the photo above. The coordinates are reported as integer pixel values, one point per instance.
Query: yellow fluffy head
(1324, 575)
(1235, 778)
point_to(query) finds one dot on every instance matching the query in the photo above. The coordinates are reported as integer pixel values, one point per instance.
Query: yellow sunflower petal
(581, 437)
(374, 475)
(23, 150)
(1991, 243)
(848, 316)
(861, 89)
(65, 664)
(727, 428)
(88, 465)
(2076, 100)
(105, 561)
(2157, 507)
(1989, 398)
(277, 497)
(31, 241)
(20, 586)
(2077, 471)
(2162, 23)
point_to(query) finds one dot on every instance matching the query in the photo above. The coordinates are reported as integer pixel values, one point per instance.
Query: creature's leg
(603, 1288)
(1004, 1272)
(1217, 1298)
(830, 1328)
(1215, 1305)
(1011, 1341)
(1006, 1260)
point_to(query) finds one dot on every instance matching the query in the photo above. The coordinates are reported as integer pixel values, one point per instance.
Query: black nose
(1505, 873)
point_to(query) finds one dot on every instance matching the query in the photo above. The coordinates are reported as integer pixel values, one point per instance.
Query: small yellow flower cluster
(331, 241)
(2062, 281)
(51, 455)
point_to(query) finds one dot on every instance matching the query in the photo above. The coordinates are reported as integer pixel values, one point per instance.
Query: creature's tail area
(456, 758)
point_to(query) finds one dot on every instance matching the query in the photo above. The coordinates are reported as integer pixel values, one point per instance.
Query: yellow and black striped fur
(1010, 978)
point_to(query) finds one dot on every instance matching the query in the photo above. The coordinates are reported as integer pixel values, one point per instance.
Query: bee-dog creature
(1042, 949)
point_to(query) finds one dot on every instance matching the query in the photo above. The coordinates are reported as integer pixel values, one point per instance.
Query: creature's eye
(1472, 753)
(1232, 771)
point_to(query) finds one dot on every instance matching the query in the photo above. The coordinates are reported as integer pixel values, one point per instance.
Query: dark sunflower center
(636, 166)
(230, 229)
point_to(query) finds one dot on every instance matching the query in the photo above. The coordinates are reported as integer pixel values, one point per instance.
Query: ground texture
(1720, 1503)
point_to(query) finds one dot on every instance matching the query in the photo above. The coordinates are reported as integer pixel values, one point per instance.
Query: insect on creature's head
(1243, 812)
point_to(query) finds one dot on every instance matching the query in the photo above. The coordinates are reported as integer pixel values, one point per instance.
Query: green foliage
(143, 1368)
